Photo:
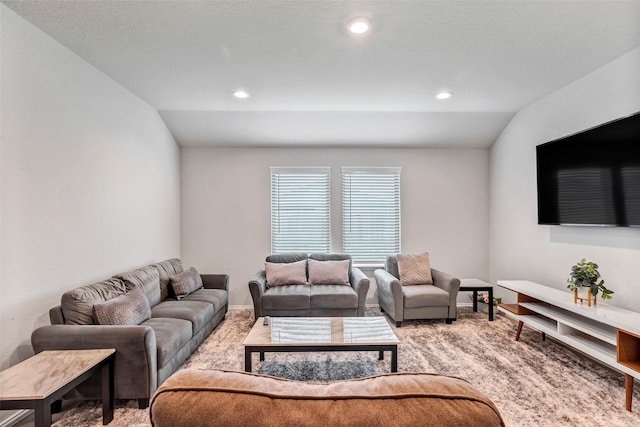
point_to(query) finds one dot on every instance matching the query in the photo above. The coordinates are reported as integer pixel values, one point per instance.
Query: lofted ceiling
(312, 83)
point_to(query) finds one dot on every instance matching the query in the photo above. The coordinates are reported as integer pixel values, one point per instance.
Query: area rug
(320, 371)
(532, 382)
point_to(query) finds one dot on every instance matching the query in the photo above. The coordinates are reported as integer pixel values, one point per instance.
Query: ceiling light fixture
(359, 25)
(240, 94)
(444, 95)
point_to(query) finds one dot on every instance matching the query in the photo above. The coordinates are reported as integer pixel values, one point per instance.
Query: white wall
(521, 249)
(90, 180)
(226, 206)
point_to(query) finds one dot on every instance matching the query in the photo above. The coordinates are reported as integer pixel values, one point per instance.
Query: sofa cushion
(171, 336)
(329, 272)
(333, 296)
(425, 296)
(146, 278)
(131, 308)
(286, 258)
(185, 283)
(217, 297)
(414, 269)
(77, 304)
(166, 269)
(245, 399)
(197, 312)
(292, 273)
(292, 297)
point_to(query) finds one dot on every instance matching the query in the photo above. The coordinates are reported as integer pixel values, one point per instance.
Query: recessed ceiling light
(444, 95)
(240, 94)
(359, 25)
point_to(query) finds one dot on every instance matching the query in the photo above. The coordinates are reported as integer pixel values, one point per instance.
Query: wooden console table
(604, 332)
(44, 378)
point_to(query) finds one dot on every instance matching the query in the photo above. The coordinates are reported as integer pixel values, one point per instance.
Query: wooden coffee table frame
(42, 404)
(249, 349)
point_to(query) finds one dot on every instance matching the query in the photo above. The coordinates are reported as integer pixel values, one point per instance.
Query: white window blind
(300, 210)
(370, 214)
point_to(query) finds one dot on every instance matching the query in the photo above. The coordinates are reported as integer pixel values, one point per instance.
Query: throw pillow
(329, 272)
(185, 283)
(414, 269)
(131, 308)
(286, 273)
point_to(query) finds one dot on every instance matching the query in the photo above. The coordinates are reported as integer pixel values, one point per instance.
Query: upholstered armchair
(418, 301)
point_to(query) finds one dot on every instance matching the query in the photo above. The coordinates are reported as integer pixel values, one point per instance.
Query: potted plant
(585, 274)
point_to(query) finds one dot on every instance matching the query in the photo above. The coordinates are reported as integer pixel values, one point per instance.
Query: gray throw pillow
(185, 283)
(131, 308)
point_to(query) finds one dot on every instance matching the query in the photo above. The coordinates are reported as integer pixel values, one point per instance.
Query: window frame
(325, 172)
(347, 211)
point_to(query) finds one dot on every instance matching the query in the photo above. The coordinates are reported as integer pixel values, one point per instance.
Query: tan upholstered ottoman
(228, 398)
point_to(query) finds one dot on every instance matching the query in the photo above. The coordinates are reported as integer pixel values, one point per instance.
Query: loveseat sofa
(322, 290)
(199, 398)
(154, 317)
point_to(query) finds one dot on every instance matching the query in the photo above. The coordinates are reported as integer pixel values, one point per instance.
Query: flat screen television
(592, 177)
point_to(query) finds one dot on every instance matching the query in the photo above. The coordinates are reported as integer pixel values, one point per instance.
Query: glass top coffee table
(318, 334)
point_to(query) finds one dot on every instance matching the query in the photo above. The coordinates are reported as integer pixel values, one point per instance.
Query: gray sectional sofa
(310, 299)
(152, 328)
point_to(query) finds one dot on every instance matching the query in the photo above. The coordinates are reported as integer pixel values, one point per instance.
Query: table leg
(42, 416)
(490, 304)
(381, 355)
(475, 300)
(520, 324)
(107, 392)
(247, 359)
(394, 359)
(628, 386)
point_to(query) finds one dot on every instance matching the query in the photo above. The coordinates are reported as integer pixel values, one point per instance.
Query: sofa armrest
(258, 286)
(360, 283)
(136, 353)
(215, 281)
(390, 294)
(450, 284)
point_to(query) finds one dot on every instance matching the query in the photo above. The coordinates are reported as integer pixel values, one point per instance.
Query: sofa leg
(143, 403)
(398, 324)
(449, 321)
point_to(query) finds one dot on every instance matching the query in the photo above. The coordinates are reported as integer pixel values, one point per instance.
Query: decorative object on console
(584, 277)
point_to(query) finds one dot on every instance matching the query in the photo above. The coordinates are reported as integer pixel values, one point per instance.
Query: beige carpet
(533, 383)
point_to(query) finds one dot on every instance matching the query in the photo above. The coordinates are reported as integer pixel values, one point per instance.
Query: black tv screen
(592, 177)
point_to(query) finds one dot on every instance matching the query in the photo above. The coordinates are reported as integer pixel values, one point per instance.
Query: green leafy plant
(585, 274)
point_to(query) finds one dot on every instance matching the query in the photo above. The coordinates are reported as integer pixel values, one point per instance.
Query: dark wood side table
(44, 378)
(475, 285)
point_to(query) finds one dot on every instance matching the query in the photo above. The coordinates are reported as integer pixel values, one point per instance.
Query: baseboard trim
(460, 304)
(16, 417)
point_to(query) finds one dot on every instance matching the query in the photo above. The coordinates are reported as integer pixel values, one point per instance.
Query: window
(300, 210)
(370, 214)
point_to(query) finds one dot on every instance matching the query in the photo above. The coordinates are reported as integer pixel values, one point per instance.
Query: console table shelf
(606, 333)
